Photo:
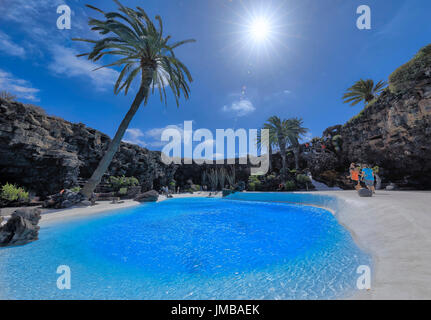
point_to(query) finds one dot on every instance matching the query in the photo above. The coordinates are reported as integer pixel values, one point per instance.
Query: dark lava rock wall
(46, 154)
(392, 132)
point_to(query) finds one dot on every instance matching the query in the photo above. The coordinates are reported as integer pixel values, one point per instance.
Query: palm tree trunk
(296, 154)
(270, 158)
(282, 146)
(95, 179)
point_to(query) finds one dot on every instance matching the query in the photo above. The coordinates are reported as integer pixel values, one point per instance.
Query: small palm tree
(294, 131)
(145, 54)
(363, 90)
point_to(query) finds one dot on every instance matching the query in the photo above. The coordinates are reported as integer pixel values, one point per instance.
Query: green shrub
(120, 182)
(402, 78)
(122, 191)
(253, 179)
(172, 184)
(336, 142)
(290, 185)
(253, 183)
(337, 137)
(302, 178)
(196, 187)
(75, 189)
(11, 192)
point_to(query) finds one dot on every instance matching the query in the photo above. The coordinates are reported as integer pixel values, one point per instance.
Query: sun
(260, 29)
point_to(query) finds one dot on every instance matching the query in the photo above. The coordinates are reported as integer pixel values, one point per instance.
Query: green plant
(337, 137)
(253, 178)
(11, 192)
(6, 95)
(254, 183)
(290, 185)
(302, 178)
(376, 169)
(172, 184)
(75, 189)
(336, 142)
(363, 90)
(213, 179)
(268, 140)
(120, 182)
(222, 177)
(402, 78)
(146, 54)
(270, 177)
(122, 191)
(284, 132)
(230, 176)
(204, 179)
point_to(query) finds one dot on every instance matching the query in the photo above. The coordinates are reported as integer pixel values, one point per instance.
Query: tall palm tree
(145, 54)
(363, 90)
(294, 131)
(277, 129)
(271, 143)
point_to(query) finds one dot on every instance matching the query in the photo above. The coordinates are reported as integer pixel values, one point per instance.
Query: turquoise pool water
(189, 249)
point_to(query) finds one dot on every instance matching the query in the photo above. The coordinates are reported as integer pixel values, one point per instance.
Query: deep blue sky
(317, 53)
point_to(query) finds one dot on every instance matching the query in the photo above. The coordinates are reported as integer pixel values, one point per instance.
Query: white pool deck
(393, 226)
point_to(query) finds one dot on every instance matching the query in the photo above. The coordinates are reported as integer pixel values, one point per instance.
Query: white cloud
(307, 137)
(36, 19)
(10, 48)
(66, 63)
(156, 135)
(240, 108)
(134, 136)
(19, 87)
(19, 10)
(153, 137)
(278, 95)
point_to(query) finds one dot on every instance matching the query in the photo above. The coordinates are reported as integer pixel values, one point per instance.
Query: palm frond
(143, 50)
(363, 90)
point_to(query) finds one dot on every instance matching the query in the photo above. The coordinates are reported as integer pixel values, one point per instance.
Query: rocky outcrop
(64, 199)
(365, 193)
(21, 228)
(46, 154)
(149, 196)
(393, 132)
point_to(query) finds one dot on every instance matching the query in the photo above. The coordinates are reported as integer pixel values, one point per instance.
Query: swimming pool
(193, 248)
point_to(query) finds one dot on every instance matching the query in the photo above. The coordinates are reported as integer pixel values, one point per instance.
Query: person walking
(368, 177)
(354, 175)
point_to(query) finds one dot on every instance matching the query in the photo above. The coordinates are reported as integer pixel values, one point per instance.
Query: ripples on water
(189, 249)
